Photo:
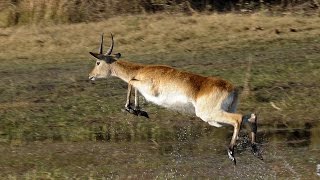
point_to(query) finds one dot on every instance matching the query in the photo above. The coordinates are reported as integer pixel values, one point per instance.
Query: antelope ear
(98, 56)
(118, 55)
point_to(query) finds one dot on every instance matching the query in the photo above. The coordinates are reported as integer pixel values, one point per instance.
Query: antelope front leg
(136, 99)
(136, 105)
(136, 109)
(128, 103)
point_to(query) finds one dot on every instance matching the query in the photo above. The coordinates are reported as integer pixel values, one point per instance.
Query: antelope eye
(98, 63)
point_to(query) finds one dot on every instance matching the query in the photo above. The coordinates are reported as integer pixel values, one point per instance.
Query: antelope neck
(125, 70)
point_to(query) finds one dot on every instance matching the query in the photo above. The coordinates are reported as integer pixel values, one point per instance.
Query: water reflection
(147, 150)
(309, 135)
(199, 149)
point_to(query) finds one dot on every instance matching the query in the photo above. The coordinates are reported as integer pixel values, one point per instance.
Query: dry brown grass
(155, 33)
(13, 12)
(63, 11)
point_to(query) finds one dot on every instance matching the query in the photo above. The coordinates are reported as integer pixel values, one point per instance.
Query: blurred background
(15, 12)
(56, 124)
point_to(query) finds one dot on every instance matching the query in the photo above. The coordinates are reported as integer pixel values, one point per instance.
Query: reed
(13, 12)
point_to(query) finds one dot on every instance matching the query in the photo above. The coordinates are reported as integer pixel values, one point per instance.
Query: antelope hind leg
(251, 119)
(232, 119)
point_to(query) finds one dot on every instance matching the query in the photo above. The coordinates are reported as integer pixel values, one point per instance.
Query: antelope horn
(101, 45)
(111, 46)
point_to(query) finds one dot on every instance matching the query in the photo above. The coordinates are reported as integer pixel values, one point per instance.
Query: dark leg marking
(251, 119)
(231, 155)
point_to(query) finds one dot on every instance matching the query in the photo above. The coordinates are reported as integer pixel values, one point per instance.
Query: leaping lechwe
(212, 99)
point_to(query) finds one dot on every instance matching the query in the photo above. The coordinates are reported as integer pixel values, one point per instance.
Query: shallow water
(188, 152)
(287, 152)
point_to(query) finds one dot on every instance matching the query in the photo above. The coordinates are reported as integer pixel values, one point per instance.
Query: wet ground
(188, 153)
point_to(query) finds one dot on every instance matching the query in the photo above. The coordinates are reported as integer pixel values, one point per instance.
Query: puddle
(146, 151)
(287, 152)
(307, 136)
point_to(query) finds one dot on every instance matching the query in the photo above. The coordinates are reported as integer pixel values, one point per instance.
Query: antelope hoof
(142, 113)
(255, 151)
(231, 156)
(130, 110)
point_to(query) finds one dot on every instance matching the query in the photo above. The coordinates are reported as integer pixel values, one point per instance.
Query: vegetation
(13, 12)
(51, 114)
(45, 91)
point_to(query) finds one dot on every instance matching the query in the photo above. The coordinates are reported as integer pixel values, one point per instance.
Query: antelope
(212, 99)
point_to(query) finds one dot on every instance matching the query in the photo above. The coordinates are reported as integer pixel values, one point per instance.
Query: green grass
(47, 101)
(55, 100)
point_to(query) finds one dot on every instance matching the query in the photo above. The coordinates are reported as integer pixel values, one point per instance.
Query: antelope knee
(251, 119)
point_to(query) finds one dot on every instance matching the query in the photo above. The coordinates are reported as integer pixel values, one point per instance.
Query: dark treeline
(228, 5)
(13, 12)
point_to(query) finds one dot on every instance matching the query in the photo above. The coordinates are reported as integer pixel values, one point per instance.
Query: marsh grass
(143, 34)
(22, 12)
(44, 68)
(45, 96)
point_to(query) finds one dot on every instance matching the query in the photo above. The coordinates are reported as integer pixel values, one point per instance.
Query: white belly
(175, 101)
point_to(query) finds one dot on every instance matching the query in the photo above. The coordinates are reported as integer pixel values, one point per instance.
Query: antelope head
(104, 61)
